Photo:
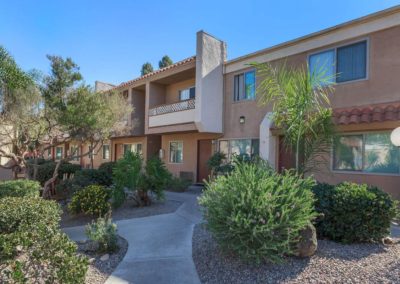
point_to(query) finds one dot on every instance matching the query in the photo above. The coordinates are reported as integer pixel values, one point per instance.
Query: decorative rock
(105, 257)
(308, 242)
(388, 241)
(91, 260)
(19, 248)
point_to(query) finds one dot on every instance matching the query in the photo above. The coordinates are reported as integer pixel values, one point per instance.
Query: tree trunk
(50, 182)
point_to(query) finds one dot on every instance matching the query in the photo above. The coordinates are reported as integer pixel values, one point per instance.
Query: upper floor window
(187, 94)
(348, 62)
(368, 152)
(245, 86)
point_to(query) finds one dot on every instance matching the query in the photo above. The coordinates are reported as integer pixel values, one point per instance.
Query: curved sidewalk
(160, 246)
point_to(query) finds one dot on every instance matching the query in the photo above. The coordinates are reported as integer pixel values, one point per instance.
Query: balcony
(172, 114)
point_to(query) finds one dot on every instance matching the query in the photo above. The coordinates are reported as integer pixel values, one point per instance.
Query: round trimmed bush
(17, 213)
(32, 248)
(19, 188)
(92, 200)
(353, 212)
(257, 213)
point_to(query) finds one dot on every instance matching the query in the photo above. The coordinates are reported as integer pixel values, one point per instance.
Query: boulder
(105, 257)
(308, 243)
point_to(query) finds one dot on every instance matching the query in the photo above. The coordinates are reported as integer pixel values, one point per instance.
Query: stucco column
(267, 141)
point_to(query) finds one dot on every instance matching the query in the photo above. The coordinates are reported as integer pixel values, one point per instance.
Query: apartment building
(185, 112)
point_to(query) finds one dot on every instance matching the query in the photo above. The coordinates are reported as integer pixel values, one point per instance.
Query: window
(135, 148)
(59, 152)
(245, 86)
(370, 153)
(176, 152)
(74, 150)
(187, 94)
(106, 152)
(348, 62)
(244, 148)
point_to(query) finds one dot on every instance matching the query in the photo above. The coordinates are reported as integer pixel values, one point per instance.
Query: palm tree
(301, 109)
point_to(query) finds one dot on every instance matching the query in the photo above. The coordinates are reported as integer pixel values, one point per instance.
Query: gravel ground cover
(333, 263)
(99, 270)
(126, 211)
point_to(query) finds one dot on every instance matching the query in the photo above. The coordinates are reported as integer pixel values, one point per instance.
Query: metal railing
(179, 106)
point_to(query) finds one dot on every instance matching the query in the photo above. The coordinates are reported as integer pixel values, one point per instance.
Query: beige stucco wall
(381, 86)
(189, 140)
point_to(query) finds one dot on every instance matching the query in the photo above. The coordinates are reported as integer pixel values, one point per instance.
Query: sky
(110, 40)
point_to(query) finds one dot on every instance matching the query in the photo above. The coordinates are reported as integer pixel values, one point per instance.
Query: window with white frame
(342, 64)
(176, 152)
(187, 94)
(134, 148)
(74, 150)
(243, 148)
(106, 152)
(245, 86)
(59, 152)
(367, 152)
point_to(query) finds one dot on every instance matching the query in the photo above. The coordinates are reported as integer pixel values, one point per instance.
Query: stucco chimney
(210, 58)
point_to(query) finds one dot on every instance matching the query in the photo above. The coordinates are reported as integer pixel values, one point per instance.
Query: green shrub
(92, 200)
(353, 212)
(104, 234)
(157, 177)
(46, 169)
(92, 176)
(32, 248)
(17, 213)
(107, 170)
(257, 213)
(66, 188)
(19, 188)
(127, 173)
(178, 184)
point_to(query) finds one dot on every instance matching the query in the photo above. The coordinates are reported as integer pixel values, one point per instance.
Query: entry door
(287, 159)
(204, 151)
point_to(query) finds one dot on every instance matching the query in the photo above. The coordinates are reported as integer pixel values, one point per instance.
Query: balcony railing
(179, 106)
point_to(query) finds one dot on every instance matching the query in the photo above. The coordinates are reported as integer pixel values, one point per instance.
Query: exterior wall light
(242, 120)
(395, 137)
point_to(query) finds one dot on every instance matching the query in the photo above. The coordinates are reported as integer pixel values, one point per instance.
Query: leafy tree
(165, 62)
(60, 108)
(146, 68)
(301, 109)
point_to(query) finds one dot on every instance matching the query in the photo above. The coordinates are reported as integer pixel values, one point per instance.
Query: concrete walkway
(160, 247)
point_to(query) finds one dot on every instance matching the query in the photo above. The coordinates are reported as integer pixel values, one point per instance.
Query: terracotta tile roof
(367, 114)
(179, 63)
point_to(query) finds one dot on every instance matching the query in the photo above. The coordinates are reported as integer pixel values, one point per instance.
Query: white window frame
(109, 152)
(230, 139)
(133, 145)
(169, 152)
(244, 85)
(188, 88)
(335, 48)
(362, 172)
(71, 148)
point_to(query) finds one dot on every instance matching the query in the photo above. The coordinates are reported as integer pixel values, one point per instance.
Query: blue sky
(110, 40)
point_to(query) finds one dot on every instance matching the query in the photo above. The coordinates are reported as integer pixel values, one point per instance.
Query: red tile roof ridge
(184, 61)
